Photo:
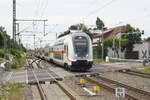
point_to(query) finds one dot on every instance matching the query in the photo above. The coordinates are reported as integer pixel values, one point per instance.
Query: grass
(98, 60)
(144, 69)
(11, 91)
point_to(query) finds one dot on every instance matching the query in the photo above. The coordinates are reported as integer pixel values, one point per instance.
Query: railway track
(110, 85)
(135, 73)
(132, 93)
(40, 88)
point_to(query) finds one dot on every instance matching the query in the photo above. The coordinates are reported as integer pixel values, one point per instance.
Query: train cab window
(81, 46)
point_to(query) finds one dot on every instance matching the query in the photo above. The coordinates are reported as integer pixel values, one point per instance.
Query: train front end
(83, 53)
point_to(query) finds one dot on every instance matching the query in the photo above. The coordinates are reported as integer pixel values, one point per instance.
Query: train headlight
(87, 55)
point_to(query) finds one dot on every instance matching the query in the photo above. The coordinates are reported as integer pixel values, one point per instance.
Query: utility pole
(120, 48)
(40, 43)
(114, 47)
(34, 41)
(17, 34)
(14, 19)
(102, 39)
(44, 27)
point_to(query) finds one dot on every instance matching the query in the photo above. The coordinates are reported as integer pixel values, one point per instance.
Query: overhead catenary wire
(39, 13)
(101, 8)
(132, 19)
(96, 10)
(94, 2)
(106, 5)
(25, 28)
(137, 18)
(44, 8)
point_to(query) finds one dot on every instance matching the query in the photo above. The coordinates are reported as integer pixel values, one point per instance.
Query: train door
(65, 52)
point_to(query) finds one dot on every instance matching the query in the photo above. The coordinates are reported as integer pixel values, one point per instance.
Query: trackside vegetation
(11, 91)
(143, 69)
(11, 51)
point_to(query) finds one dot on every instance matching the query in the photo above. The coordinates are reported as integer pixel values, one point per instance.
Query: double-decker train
(73, 52)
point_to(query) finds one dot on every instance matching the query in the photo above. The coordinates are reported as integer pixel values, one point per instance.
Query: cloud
(67, 12)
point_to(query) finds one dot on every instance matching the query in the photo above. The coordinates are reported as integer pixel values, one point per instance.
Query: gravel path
(35, 93)
(27, 93)
(53, 92)
(73, 83)
(135, 81)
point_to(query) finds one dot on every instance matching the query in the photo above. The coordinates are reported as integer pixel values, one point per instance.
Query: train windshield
(81, 46)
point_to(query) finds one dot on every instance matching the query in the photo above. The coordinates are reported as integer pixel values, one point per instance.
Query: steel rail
(62, 88)
(125, 86)
(66, 92)
(109, 88)
(136, 73)
(40, 89)
(58, 84)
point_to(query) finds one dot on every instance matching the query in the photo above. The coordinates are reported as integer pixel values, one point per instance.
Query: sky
(63, 13)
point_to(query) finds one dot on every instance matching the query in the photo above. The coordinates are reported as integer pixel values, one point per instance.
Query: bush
(15, 64)
(97, 52)
(15, 53)
(17, 61)
(1, 53)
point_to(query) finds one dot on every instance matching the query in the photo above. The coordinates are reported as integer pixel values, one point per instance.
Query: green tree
(77, 27)
(109, 43)
(64, 34)
(73, 27)
(99, 24)
(3, 36)
(97, 52)
(147, 39)
(80, 26)
(131, 36)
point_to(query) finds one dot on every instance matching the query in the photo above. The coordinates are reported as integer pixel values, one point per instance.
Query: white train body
(73, 51)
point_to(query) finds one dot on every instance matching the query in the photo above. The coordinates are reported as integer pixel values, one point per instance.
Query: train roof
(60, 40)
(72, 34)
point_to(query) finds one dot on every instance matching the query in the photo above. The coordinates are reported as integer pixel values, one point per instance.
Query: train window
(65, 48)
(81, 46)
